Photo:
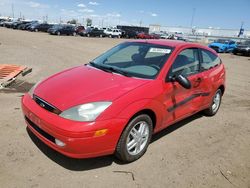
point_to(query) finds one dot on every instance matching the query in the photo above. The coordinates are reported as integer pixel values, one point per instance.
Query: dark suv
(95, 33)
(62, 30)
(243, 48)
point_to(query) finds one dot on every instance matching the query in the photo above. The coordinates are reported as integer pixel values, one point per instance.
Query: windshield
(137, 59)
(223, 41)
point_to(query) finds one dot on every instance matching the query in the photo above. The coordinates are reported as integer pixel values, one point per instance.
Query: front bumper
(217, 49)
(79, 137)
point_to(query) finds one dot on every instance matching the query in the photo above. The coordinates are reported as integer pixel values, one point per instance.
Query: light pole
(192, 19)
(12, 9)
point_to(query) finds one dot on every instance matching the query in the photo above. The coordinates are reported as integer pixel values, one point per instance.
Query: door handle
(198, 80)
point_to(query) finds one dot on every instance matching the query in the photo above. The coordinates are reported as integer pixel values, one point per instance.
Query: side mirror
(183, 81)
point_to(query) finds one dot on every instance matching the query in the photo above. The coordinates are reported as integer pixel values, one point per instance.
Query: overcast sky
(209, 13)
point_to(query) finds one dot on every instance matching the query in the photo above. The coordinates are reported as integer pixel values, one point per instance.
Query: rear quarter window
(210, 60)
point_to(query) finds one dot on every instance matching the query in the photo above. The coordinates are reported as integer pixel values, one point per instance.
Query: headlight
(31, 91)
(85, 112)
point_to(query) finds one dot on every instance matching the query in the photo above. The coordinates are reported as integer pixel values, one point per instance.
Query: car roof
(175, 43)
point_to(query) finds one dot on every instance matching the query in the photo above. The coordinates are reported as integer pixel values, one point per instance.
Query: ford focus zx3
(115, 103)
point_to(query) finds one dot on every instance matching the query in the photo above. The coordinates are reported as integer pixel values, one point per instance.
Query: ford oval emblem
(42, 105)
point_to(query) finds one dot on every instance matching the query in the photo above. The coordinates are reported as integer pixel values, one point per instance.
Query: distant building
(198, 31)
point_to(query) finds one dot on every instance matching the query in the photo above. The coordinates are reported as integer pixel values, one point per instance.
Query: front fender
(145, 104)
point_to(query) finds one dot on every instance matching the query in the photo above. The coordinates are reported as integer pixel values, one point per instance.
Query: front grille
(46, 105)
(40, 131)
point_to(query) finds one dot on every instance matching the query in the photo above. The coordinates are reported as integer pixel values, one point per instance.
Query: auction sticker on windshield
(160, 50)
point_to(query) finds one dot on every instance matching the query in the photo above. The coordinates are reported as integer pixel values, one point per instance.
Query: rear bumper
(79, 137)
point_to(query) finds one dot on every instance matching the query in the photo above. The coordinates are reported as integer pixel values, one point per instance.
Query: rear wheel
(215, 104)
(135, 138)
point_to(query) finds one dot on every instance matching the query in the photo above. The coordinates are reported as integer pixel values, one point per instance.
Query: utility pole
(12, 8)
(192, 19)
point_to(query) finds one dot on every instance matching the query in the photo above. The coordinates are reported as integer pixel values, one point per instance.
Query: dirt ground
(197, 152)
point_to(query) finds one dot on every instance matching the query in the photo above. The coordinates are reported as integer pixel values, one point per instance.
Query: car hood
(220, 45)
(84, 84)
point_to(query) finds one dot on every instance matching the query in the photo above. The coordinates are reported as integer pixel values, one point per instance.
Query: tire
(215, 104)
(36, 30)
(132, 136)
(58, 33)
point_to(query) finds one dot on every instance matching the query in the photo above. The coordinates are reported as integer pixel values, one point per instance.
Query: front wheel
(135, 139)
(215, 104)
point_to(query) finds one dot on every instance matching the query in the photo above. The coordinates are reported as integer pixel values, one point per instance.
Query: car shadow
(18, 87)
(175, 126)
(99, 162)
(71, 163)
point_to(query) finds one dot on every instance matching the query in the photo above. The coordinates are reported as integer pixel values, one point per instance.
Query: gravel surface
(197, 152)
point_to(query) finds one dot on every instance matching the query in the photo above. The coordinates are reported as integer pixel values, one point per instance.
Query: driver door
(181, 102)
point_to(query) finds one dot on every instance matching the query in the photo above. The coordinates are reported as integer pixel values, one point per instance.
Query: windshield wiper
(100, 67)
(109, 69)
(119, 71)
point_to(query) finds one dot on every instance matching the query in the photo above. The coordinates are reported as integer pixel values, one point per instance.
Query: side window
(186, 63)
(210, 60)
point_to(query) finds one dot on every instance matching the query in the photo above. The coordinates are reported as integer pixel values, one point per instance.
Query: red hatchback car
(116, 102)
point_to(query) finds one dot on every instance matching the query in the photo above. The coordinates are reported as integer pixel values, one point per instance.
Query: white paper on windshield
(160, 50)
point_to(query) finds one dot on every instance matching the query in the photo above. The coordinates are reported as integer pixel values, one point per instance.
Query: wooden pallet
(9, 73)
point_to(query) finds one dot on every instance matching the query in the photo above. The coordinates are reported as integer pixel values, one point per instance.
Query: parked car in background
(243, 48)
(80, 29)
(95, 33)
(143, 35)
(164, 35)
(114, 104)
(85, 32)
(113, 33)
(8, 23)
(17, 24)
(129, 34)
(155, 36)
(223, 45)
(40, 27)
(62, 30)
